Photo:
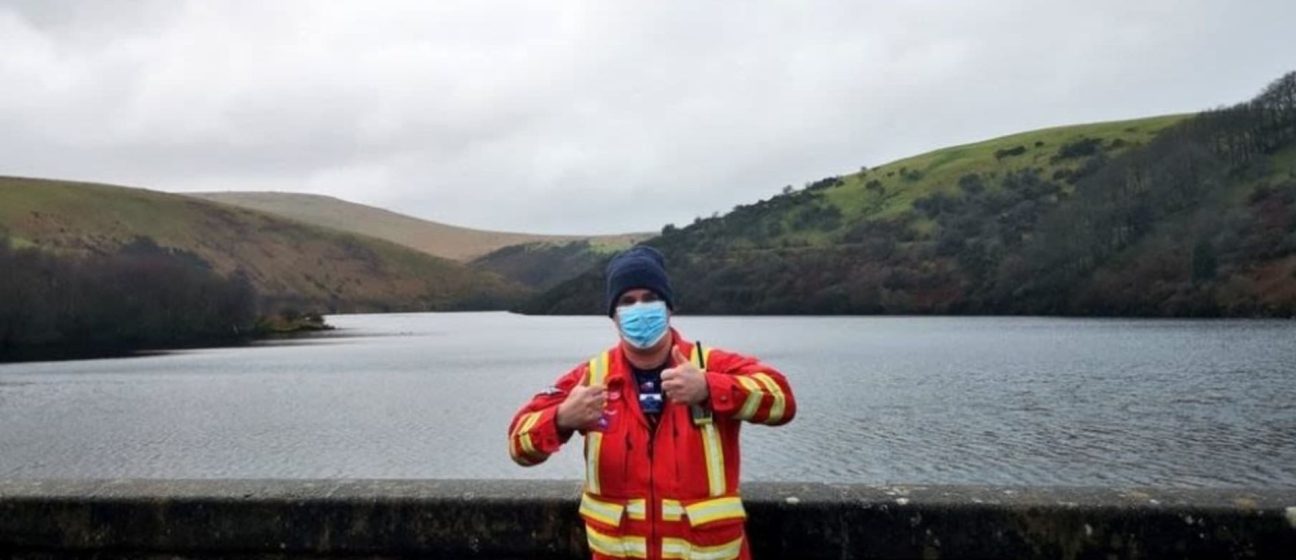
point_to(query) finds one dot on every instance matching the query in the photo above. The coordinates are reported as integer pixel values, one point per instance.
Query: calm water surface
(1034, 401)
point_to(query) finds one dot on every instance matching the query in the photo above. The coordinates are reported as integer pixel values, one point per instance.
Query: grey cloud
(585, 117)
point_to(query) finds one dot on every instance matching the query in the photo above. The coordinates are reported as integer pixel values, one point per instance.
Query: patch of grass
(607, 246)
(20, 243)
(940, 170)
(1284, 163)
(1282, 169)
(292, 322)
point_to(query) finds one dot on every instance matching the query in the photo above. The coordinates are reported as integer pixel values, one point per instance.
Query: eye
(643, 297)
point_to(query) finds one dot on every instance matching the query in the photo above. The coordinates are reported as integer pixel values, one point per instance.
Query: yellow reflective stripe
(637, 509)
(682, 549)
(754, 395)
(715, 510)
(605, 512)
(617, 547)
(597, 370)
(521, 448)
(714, 453)
(528, 422)
(524, 435)
(672, 510)
(513, 447)
(518, 456)
(593, 445)
(776, 411)
(701, 412)
(711, 447)
(594, 440)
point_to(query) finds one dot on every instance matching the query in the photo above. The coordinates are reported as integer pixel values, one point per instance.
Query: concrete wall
(106, 519)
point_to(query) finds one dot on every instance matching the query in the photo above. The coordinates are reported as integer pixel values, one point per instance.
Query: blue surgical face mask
(643, 324)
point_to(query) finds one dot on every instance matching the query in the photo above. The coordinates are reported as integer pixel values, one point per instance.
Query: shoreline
(267, 329)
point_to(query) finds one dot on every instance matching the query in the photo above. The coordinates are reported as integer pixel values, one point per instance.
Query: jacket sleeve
(743, 388)
(533, 433)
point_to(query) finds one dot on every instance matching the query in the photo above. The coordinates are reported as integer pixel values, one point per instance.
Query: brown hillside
(286, 260)
(451, 242)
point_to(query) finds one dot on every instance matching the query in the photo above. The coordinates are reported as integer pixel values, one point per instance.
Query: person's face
(631, 297)
(636, 295)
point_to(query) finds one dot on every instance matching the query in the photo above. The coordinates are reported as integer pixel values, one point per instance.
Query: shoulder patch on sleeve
(551, 391)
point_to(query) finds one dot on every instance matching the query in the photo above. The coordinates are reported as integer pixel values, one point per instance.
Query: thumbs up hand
(684, 383)
(582, 408)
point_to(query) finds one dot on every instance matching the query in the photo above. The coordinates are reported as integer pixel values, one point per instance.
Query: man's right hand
(582, 408)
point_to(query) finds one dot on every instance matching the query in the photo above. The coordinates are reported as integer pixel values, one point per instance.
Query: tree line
(142, 296)
(1174, 186)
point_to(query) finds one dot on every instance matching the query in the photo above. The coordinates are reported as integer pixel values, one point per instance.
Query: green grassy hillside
(1173, 215)
(288, 262)
(888, 191)
(545, 264)
(912, 177)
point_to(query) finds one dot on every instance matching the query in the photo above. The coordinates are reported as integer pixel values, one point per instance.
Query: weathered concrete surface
(105, 519)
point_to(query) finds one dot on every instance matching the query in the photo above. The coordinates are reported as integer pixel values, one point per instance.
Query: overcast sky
(586, 117)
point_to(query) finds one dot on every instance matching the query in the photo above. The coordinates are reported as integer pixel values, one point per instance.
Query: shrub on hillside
(1010, 152)
(971, 184)
(1083, 147)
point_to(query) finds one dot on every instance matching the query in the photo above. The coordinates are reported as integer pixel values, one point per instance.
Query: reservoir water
(915, 400)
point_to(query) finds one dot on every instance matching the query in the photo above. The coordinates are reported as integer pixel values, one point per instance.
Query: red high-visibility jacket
(670, 492)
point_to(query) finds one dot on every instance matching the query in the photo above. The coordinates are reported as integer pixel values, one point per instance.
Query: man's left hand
(684, 383)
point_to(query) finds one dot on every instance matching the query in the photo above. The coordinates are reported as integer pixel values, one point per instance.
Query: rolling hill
(544, 264)
(451, 242)
(1180, 215)
(289, 263)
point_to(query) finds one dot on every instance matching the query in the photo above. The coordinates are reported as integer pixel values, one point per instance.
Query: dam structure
(497, 519)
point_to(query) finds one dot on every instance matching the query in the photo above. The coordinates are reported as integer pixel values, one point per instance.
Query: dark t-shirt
(648, 384)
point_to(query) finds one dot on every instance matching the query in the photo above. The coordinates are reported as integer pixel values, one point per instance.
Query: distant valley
(437, 239)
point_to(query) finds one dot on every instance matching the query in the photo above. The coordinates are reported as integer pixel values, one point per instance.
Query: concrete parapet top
(530, 490)
(537, 519)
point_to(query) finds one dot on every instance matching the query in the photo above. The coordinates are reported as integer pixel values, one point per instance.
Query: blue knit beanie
(638, 267)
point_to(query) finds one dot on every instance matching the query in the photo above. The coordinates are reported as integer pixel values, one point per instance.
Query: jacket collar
(619, 378)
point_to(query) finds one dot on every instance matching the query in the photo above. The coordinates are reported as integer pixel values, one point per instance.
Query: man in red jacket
(660, 415)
